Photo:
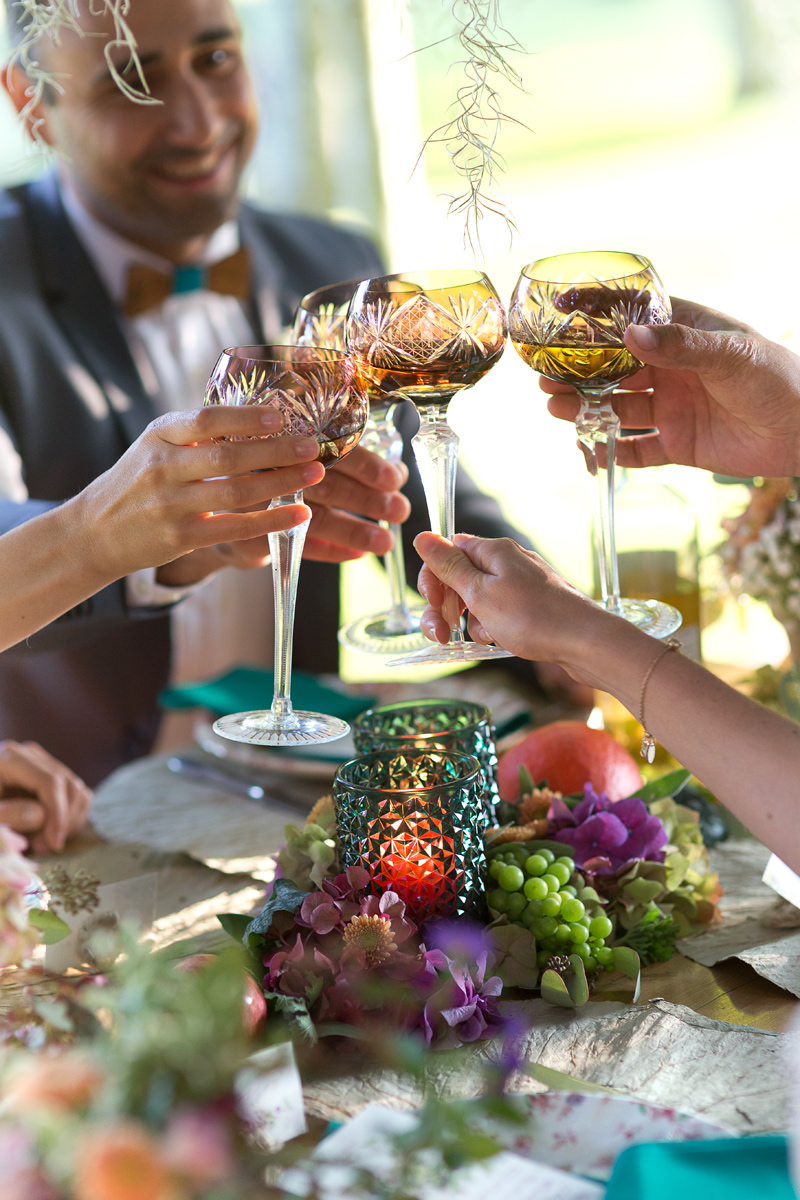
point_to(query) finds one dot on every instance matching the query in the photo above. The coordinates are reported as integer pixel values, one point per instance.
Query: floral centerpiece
(762, 559)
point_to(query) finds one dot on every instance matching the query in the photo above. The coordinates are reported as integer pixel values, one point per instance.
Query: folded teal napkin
(247, 688)
(725, 1169)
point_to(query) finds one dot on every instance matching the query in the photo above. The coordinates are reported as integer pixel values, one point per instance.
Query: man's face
(160, 174)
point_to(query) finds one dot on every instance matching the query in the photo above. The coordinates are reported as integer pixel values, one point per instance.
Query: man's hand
(361, 484)
(720, 395)
(40, 797)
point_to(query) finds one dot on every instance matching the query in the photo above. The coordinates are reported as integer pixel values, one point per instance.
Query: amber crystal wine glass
(320, 321)
(321, 397)
(566, 320)
(427, 335)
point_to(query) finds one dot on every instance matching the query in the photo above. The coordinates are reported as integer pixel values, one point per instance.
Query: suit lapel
(84, 310)
(267, 278)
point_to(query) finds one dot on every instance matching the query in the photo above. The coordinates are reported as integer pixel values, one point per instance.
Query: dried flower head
(76, 892)
(371, 935)
(323, 808)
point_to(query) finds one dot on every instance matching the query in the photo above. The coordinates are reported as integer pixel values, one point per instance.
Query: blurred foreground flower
(17, 882)
(122, 1162)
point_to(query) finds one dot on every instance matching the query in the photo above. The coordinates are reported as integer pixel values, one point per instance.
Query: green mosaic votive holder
(415, 821)
(455, 725)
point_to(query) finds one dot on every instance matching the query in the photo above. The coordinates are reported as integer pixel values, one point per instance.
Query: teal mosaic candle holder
(454, 725)
(415, 821)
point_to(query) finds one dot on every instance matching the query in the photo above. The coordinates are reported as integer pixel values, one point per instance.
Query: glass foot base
(372, 634)
(651, 616)
(264, 729)
(451, 652)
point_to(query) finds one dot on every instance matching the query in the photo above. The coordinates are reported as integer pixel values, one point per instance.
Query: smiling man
(122, 275)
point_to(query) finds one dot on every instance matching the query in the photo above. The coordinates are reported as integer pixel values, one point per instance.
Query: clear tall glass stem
(436, 451)
(382, 438)
(596, 423)
(286, 549)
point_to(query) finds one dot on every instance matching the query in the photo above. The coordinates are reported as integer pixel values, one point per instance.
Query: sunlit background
(667, 127)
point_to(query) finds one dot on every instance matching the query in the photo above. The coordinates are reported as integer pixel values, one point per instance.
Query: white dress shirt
(228, 619)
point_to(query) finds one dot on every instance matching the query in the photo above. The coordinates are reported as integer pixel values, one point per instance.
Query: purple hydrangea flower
(464, 1007)
(608, 835)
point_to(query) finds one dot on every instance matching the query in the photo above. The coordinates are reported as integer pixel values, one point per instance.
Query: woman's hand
(180, 488)
(40, 797)
(514, 599)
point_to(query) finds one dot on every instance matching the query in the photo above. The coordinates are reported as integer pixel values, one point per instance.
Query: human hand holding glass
(320, 321)
(567, 319)
(319, 396)
(427, 335)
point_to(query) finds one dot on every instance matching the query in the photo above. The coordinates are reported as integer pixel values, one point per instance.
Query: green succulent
(311, 853)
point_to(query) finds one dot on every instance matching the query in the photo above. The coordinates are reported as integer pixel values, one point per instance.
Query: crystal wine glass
(567, 318)
(320, 396)
(320, 321)
(428, 335)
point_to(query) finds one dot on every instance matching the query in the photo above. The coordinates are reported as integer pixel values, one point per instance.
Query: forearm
(747, 755)
(46, 568)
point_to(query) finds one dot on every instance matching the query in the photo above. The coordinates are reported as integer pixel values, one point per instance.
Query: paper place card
(270, 1095)
(782, 880)
(366, 1143)
(132, 901)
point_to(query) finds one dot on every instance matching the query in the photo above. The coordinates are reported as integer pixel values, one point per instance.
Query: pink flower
(198, 1145)
(20, 1178)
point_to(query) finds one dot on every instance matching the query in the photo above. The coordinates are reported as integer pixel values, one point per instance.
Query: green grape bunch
(549, 896)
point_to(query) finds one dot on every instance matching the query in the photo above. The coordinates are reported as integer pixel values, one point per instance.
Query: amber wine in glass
(320, 320)
(427, 335)
(567, 319)
(320, 397)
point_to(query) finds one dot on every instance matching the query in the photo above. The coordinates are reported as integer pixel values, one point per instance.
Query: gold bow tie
(147, 287)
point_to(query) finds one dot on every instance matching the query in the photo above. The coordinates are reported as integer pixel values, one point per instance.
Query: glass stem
(382, 438)
(436, 451)
(596, 423)
(286, 549)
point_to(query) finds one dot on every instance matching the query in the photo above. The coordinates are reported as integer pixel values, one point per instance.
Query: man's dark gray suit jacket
(72, 402)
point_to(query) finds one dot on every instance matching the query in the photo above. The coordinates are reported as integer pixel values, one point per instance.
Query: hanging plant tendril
(48, 18)
(470, 137)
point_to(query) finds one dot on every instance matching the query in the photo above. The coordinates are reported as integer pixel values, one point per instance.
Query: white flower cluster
(17, 882)
(770, 565)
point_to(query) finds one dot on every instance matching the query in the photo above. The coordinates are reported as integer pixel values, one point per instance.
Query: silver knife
(215, 778)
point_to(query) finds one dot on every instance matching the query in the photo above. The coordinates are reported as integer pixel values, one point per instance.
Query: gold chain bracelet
(648, 750)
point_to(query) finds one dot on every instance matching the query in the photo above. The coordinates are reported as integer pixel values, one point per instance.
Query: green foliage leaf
(666, 785)
(526, 784)
(295, 1010)
(286, 897)
(560, 1081)
(54, 1013)
(234, 924)
(577, 983)
(653, 936)
(51, 927)
(514, 955)
(627, 962)
(642, 891)
(554, 990)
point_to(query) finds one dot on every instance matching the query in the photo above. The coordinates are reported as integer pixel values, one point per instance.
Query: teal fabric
(247, 688)
(750, 1168)
(188, 279)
